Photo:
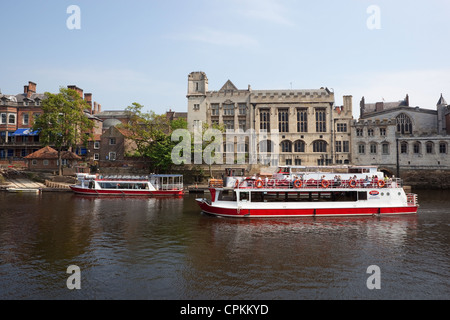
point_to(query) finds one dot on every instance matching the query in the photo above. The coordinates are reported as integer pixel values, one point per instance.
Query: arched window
(373, 148)
(404, 147)
(416, 147)
(286, 146)
(429, 147)
(442, 147)
(266, 146)
(361, 148)
(404, 124)
(299, 146)
(319, 146)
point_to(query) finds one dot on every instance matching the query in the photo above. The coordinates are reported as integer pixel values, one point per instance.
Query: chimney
(31, 87)
(88, 99)
(95, 107)
(99, 107)
(73, 87)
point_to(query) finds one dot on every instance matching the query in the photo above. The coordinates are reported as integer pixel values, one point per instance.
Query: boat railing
(170, 186)
(411, 199)
(318, 184)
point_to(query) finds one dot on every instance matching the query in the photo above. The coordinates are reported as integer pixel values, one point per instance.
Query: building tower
(196, 95)
(441, 110)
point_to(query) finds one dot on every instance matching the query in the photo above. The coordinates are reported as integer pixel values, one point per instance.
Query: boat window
(225, 195)
(307, 196)
(243, 196)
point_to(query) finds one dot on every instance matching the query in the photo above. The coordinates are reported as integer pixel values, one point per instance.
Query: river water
(165, 248)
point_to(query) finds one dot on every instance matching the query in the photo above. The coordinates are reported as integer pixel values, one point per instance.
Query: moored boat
(289, 193)
(152, 185)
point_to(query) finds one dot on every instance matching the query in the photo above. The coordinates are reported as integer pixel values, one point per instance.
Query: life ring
(352, 183)
(259, 184)
(325, 183)
(381, 183)
(298, 183)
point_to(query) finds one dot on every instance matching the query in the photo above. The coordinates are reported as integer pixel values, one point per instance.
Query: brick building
(17, 113)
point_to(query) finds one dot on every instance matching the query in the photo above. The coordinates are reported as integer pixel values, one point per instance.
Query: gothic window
(286, 146)
(430, 147)
(283, 121)
(242, 109)
(299, 146)
(404, 147)
(319, 146)
(264, 119)
(404, 124)
(416, 147)
(345, 146)
(265, 146)
(361, 148)
(302, 120)
(370, 132)
(321, 121)
(338, 146)
(373, 148)
(341, 127)
(359, 132)
(228, 109)
(215, 109)
(229, 124)
(442, 147)
(385, 148)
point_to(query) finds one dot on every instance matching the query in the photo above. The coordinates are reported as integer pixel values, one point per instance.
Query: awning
(25, 132)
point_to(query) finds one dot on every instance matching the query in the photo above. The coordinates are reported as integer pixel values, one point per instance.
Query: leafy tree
(63, 123)
(151, 133)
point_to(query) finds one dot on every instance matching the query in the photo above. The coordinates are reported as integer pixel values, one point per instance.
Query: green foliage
(151, 133)
(63, 123)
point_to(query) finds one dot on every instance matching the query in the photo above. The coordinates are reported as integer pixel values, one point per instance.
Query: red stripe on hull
(304, 212)
(126, 192)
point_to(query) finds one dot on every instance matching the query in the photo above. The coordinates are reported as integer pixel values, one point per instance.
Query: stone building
(299, 127)
(400, 139)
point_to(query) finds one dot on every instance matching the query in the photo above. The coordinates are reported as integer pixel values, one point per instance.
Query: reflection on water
(164, 248)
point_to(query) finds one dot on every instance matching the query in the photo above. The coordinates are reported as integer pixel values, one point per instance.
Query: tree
(63, 123)
(151, 133)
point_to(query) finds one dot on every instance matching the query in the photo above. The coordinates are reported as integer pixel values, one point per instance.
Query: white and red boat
(152, 185)
(298, 192)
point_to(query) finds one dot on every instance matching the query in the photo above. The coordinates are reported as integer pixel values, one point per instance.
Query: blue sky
(142, 51)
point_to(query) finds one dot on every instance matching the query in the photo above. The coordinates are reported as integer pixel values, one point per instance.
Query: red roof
(50, 153)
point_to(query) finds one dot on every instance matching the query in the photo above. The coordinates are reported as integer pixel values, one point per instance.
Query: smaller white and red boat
(348, 191)
(152, 185)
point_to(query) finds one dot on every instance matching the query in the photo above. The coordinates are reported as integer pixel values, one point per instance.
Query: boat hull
(302, 211)
(125, 192)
